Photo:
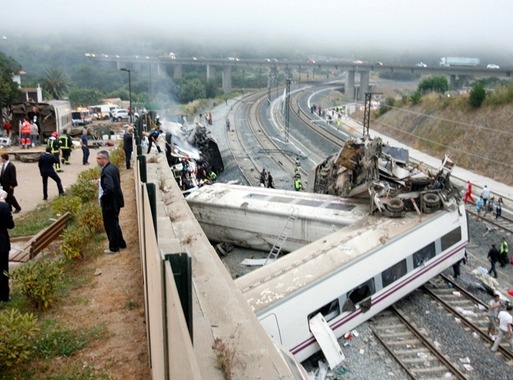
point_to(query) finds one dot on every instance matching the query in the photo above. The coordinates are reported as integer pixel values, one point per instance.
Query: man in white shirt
(485, 194)
(505, 322)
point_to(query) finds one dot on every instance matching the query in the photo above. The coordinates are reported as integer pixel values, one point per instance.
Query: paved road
(29, 192)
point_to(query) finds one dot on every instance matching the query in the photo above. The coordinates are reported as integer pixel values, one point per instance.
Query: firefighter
(53, 144)
(298, 185)
(65, 143)
(503, 251)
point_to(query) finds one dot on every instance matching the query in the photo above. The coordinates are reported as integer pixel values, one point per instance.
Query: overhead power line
(452, 121)
(452, 149)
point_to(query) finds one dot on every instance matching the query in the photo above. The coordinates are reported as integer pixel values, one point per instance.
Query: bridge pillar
(177, 70)
(227, 78)
(364, 83)
(211, 72)
(349, 90)
(457, 81)
(452, 81)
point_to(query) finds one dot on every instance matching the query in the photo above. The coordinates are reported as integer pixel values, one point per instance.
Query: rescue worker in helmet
(65, 144)
(298, 185)
(53, 144)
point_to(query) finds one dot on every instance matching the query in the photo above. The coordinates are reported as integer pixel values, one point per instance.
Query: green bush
(117, 157)
(74, 239)
(90, 217)
(85, 189)
(90, 174)
(437, 84)
(70, 203)
(38, 281)
(416, 97)
(17, 331)
(477, 96)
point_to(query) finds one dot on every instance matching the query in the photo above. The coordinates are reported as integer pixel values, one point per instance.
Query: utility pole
(366, 112)
(287, 108)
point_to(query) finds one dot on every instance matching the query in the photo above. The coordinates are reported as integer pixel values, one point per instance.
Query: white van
(103, 111)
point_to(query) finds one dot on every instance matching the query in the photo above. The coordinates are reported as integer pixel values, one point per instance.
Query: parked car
(492, 66)
(120, 114)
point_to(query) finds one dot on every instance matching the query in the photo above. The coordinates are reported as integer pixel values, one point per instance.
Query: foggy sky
(454, 27)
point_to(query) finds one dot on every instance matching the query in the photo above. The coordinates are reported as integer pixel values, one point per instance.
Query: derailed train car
(415, 228)
(51, 116)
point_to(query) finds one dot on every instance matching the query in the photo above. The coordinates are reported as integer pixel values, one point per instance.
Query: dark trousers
(456, 269)
(504, 259)
(85, 155)
(10, 199)
(4, 280)
(113, 230)
(156, 146)
(65, 155)
(58, 164)
(492, 269)
(128, 156)
(57, 180)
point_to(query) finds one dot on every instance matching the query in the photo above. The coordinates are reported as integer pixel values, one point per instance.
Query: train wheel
(431, 199)
(395, 205)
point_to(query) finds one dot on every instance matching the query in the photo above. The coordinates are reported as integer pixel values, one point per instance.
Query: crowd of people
(57, 153)
(485, 203)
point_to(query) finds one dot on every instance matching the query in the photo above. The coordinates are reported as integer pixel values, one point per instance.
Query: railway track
(503, 224)
(468, 309)
(419, 358)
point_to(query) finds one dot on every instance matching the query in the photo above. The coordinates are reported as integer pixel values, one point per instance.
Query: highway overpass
(353, 70)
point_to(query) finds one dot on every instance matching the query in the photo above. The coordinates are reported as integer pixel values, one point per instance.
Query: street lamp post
(129, 91)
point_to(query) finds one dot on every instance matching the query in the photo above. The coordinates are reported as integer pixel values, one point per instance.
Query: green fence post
(142, 168)
(152, 197)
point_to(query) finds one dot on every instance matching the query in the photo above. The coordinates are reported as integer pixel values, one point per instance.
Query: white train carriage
(352, 274)
(254, 217)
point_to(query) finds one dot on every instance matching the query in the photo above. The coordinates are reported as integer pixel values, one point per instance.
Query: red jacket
(25, 128)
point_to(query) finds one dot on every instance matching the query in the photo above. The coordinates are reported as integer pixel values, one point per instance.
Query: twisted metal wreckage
(368, 168)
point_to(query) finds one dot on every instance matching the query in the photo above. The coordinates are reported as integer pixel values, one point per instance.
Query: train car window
(328, 311)
(453, 237)
(393, 273)
(423, 255)
(359, 294)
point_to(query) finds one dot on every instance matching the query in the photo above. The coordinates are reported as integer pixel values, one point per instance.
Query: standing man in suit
(111, 202)
(6, 222)
(46, 167)
(128, 142)
(9, 181)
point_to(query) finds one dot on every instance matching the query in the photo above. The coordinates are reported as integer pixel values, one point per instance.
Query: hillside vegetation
(478, 139)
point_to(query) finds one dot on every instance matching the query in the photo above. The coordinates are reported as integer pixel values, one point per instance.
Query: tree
(8, 88)
(55, 83)
(386, 105)
(436, 84)
(477, 95)
(192, 90)
(85, 97)
(211, 89)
